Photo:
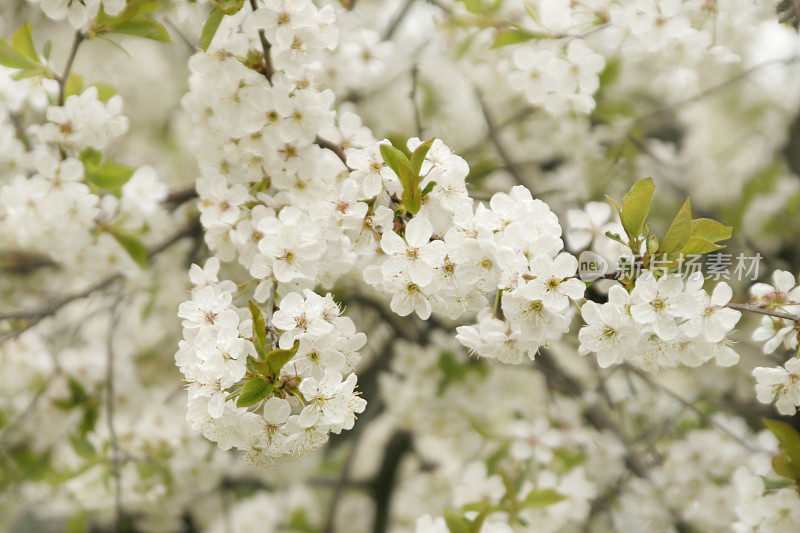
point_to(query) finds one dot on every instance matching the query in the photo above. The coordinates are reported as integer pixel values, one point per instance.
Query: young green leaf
(82, 446)
(428, 188)
(408, 178)
(455, 523)
(259, 330)
(276, 359)
(74, 84)
(23, 42)
(514, 36)
(133, 246)
(785, 467)
(541, 498)
(636, 206)
(698, 246)
(143, 27)
(253, 392)
(392, 157)
(418, 157)
(106, 174)
(680, 231)
(473, 6)
(533, 11)
(710, 230)
(210, 28)
(788, 438)
(47, 48)
(104, 90)
(11, 58)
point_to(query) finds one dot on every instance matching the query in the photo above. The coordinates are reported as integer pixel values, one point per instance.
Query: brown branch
(689, 405)
(269, 70)
(593, 413)
(33, 317)
(115, 456)
(763, 311)
(62, 79)
(181, 195)
(494, 136)
(333, 147)
(397, 19)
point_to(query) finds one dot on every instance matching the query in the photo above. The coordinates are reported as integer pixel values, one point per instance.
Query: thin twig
(691, 406)
(115, 457)
(181, 195)
(34, 316)
(62, 79)
(398, 18)
(763, 311)
(26, 411)
(333, 147)
(494, 136)
(718, 87)
(266, 46)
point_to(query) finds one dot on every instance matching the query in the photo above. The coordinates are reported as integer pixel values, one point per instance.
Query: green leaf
(473, 6)
(23, 42)
(11, 58)
(47, 48)
(259, 330)
(143, 27)
(636, 206)
(541, 498)
(276, 359)
(253, 392)
(74, 84)
(698, 246)
(680, 231)
(210, 28)
(148, 6)
(392, 157)
(710, 230)
(257, 366)
(533, 11)
(418, 157)
(610, 73)
(788, 438)
(785, 467)
(514, 36)
(106, 174)
(104, 90)
(133, 246)
(428, 188)
(408, 178)
(82, 446)
(455, 523)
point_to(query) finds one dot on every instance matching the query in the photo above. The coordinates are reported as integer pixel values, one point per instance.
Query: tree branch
(494, 136)
(269, 70)
(62, 79)
(763, 311)
(333, 147)
(33, 317)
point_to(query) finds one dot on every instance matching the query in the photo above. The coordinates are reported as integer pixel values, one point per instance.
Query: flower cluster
(84, 122)
(661, 323)
(218, 359)
(510, 247)
(557, 80)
